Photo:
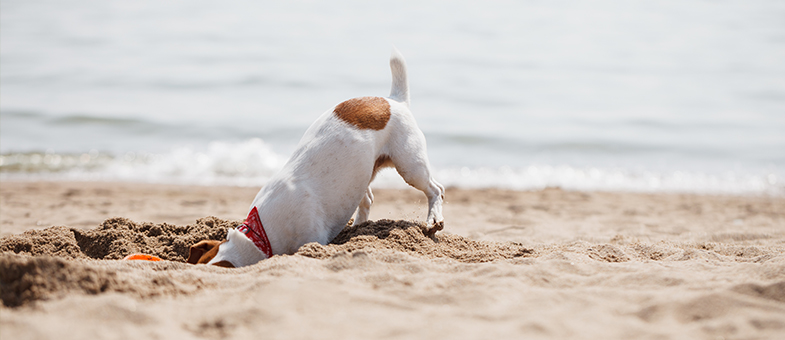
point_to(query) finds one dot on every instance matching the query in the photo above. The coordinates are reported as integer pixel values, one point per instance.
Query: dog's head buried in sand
(328, 176)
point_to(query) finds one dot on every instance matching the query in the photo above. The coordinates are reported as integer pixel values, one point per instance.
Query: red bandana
(254, 230)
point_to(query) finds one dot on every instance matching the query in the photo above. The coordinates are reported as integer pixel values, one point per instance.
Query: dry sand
(540, 264)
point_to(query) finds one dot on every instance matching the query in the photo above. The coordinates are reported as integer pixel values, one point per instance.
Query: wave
(253, 161)
(613, 179)
(222, 163)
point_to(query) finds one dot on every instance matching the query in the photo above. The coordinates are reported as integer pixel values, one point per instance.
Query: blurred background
(685, 96)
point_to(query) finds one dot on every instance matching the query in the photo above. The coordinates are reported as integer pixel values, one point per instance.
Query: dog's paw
(436, 226)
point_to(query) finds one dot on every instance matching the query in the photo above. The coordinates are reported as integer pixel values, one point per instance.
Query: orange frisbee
(142, 257)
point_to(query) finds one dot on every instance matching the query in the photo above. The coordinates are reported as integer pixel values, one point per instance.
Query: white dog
(327, 179)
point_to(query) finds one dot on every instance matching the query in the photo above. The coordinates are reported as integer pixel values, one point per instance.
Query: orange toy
(142, 257)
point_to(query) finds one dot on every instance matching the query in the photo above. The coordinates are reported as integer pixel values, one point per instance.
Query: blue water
(605, 95)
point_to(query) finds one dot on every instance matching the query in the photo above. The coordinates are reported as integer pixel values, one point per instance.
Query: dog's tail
(400, 83)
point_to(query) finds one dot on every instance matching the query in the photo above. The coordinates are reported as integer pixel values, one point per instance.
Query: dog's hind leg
(364, 210)
(435, 194)
(415, 170)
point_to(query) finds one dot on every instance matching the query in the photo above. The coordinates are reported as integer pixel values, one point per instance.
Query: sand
(540, 264)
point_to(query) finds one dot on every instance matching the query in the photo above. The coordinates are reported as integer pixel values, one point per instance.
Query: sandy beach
(549, 264)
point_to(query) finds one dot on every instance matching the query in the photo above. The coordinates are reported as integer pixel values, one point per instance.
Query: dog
(327, 179)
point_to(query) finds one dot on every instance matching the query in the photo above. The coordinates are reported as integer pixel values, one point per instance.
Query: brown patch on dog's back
(366, 113)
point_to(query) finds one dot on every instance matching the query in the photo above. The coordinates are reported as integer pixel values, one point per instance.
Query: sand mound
(39, 268)
(117, 237)
(24, 279)
(41, 271)
(410, 237)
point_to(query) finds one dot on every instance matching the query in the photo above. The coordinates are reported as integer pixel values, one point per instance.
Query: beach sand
(548, 264)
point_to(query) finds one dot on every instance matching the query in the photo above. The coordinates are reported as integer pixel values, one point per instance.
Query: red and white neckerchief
(254, 230)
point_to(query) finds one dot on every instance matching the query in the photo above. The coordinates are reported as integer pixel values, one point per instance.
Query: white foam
(243, 163)
(610, 179)
(252, 162)
(602, 179)
(246, 163)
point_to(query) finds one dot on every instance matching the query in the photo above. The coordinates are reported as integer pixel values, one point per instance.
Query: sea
(612, 95)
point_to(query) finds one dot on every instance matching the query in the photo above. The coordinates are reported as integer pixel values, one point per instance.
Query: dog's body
(327, 178)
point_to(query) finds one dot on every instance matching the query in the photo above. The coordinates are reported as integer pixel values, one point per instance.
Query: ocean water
(651, 96)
